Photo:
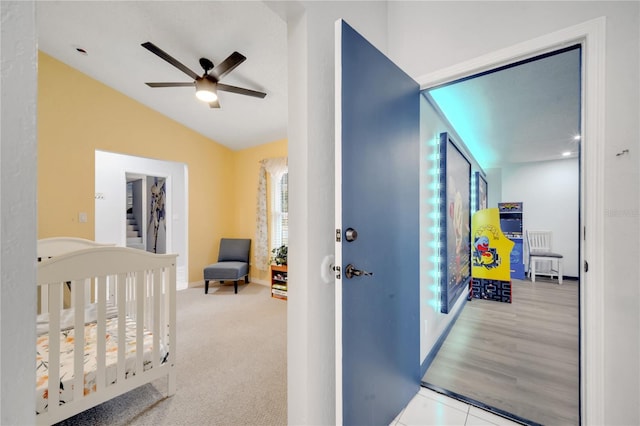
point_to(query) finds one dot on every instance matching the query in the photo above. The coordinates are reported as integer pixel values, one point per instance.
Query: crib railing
(126, 285)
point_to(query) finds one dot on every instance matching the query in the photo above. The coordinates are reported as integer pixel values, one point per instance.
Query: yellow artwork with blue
(490, 254)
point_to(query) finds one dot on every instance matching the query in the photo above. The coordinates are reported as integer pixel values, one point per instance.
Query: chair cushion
(234, 249)
(226, 271)
(538, 253)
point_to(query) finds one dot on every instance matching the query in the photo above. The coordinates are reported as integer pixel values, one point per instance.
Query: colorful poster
(456, 183)
(491, 249)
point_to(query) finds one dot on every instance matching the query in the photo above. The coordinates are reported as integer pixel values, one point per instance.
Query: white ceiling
(527, 113)
(112, 31)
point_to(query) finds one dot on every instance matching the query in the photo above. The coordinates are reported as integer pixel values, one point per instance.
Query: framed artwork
(455, 223)
(481, 192)
(157, 227)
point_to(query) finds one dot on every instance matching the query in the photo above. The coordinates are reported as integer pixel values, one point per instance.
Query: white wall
(310, 324)
(18, 228)
(428, 36)
(494, 183)
(111, 181)
(139, 207)
(550, 193)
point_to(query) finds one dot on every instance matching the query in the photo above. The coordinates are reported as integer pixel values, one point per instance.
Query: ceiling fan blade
(241, 91)
(214, 104)
(226, 66)
(173, 61)
(170, 84)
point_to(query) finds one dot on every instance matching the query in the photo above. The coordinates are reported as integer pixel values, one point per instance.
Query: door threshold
(478, 404)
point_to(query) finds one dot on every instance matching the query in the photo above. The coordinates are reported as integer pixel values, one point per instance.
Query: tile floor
(431, 408)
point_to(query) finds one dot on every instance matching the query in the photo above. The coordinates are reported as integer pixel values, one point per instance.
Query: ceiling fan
(208, 84)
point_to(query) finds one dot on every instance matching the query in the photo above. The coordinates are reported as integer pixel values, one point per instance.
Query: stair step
(134, 240)
(133, 227)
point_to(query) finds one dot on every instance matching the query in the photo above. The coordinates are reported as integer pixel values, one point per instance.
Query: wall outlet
(82, 217)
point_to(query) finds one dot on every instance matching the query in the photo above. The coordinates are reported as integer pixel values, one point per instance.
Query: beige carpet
(231, 365)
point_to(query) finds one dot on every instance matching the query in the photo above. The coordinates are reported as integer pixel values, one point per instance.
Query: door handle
(350, 271)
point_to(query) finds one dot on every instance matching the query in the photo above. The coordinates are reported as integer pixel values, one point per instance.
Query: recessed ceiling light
(566, 153)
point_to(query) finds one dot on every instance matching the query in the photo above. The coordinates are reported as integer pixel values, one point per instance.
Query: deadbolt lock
(350, 234)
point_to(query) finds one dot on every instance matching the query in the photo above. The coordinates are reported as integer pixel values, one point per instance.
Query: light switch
(82, 217)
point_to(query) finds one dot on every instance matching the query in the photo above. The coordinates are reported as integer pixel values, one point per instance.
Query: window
(280, 211)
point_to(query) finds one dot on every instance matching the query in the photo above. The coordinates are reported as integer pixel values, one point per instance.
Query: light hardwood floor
(522, 357)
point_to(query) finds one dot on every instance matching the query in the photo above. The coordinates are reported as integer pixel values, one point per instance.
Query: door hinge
(338, 235)
(337, 269)
(586, 266)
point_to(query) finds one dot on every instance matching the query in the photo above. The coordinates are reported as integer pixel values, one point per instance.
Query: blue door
(377, 221)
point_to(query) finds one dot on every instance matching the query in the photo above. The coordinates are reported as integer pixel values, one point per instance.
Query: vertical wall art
(481, 192)
(156, 231)
(455, 222)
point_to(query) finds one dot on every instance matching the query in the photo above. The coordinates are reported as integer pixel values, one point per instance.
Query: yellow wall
(78, 115)
(246, 171)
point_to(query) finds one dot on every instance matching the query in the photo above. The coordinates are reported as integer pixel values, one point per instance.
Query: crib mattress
(90, 359)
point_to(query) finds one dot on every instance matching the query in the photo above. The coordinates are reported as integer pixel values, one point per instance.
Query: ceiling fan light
(206, 96)
(206, 90)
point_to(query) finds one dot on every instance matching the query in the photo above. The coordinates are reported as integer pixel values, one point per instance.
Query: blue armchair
(232, 265)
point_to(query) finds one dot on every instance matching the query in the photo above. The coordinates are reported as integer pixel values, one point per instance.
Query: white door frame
(110, 186)
(591, 36)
